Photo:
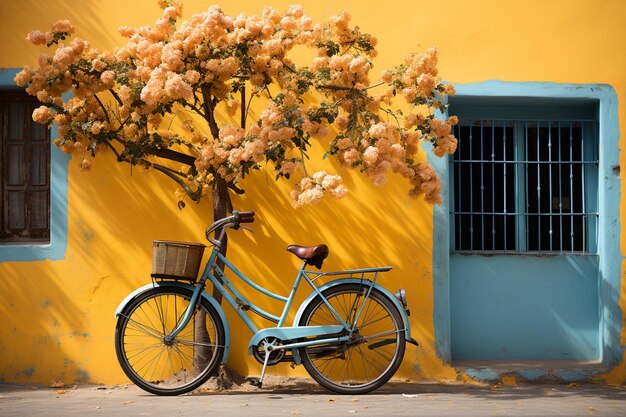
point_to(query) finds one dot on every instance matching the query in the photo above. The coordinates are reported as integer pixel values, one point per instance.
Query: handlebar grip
(244, 216)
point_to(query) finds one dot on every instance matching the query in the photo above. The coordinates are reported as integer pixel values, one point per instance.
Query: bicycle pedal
(254, 381)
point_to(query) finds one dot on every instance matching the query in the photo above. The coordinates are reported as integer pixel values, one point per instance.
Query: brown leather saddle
(313, 255)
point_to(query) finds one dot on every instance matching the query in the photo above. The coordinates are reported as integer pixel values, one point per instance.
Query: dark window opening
(25, 171)
(525, 186)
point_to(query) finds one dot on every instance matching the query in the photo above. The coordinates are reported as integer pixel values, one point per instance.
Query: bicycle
(171, 336)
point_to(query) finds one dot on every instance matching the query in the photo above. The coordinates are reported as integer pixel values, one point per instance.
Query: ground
(301, 397)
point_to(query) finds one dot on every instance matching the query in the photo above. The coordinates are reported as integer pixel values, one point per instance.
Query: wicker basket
(176, 260)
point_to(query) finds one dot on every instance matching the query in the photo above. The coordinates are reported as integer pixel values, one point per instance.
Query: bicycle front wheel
(168, 367)
(372, 355)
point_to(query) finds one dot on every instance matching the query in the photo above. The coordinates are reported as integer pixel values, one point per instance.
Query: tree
(126, 100)
(168, 96)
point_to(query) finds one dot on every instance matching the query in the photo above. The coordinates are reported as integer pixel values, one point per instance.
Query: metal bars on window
(525, 186)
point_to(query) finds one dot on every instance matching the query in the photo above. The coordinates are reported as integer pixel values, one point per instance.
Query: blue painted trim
(608, 196)
(567, 375)
(441, 261)
(54, 250)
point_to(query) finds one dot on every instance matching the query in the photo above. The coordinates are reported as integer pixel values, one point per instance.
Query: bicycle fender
(220, 311)
(394, 300)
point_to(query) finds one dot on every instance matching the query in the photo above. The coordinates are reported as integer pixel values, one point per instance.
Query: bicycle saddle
(313, 255)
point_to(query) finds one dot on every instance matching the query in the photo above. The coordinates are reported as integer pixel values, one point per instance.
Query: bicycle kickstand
(268, 352)
(258, 382)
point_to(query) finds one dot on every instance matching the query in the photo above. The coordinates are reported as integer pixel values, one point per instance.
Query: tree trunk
(222, 205)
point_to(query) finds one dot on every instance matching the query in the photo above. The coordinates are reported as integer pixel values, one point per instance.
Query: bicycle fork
(193, 303)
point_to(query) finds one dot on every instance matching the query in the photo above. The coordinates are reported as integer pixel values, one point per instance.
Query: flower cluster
(310, 190)
(134, 100)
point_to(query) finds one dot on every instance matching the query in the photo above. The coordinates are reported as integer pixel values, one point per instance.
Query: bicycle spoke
(363, 362)
(348, 364)
(144, 350)
(145, 329)
(169, 357)
(158, 359)
(325, 316)
(372, 361)
(370, 323)
(184, 356)
(156, 313)
(378, 335)
(327, 364)
(148, 318)
(190, 343)
(140, 365)
(159, 307)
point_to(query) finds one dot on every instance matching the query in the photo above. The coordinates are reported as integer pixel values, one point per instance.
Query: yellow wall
(57, 317)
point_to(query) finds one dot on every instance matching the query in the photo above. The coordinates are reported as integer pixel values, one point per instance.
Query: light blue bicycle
(171, 336)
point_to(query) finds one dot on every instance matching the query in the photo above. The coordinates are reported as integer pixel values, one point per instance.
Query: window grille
(25, 171)
(525, 186)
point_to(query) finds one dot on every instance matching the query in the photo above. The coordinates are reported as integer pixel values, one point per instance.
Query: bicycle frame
(322, 334)
(241, 304)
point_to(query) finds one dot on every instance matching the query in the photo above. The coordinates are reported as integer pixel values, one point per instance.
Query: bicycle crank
(270, 344)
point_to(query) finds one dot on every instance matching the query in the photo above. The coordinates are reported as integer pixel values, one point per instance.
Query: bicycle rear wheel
(168, 368)
(371, 357)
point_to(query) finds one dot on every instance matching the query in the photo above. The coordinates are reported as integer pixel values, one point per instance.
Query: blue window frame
(55, 248)
(607, 240)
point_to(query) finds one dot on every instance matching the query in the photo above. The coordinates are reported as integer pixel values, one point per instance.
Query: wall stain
(82, 376)
(85, 231)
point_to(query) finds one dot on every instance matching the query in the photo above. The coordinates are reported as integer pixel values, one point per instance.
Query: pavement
(302, 398)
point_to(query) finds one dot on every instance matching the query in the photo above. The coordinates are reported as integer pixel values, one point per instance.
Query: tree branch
(175, 156)
(247, 109)
(236, 189)
(374, 86)
(117, 98)
(244, 114)
(110, 145)
(106, 113)
(173, 171)
(209, 108)
(335, 87)
(193, 107)
(194, 195)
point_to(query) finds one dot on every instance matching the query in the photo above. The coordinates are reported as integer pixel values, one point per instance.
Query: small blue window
(34, 183)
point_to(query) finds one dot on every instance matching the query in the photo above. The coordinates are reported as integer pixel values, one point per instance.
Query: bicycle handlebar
(230, 221)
